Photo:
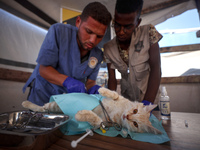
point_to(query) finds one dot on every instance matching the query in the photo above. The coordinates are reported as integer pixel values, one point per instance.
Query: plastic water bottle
(164, 104)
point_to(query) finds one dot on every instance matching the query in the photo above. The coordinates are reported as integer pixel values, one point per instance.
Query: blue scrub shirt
(60, 50)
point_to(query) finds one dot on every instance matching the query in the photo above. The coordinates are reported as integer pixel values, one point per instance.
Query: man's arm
(155, 73)
(52, 75)
(112, 81)
(90, 83)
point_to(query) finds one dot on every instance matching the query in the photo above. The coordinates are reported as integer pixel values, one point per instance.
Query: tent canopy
(46, 12)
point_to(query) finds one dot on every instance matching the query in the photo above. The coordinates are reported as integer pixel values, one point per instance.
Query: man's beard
(82, 45)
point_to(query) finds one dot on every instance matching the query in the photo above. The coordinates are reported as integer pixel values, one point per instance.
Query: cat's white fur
(131, 115)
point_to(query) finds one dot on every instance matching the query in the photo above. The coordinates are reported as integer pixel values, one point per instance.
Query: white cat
(131, 115)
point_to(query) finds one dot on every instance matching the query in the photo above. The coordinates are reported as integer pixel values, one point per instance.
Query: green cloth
(71, 103)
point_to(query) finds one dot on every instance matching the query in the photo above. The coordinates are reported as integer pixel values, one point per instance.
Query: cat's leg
(108, 93)
(33, 107)
(88, 116)
(52, 107)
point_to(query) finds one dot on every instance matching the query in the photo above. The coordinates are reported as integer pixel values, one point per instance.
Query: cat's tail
(33, 107)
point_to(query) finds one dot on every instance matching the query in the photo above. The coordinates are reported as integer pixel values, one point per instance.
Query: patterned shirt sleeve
(154, 35)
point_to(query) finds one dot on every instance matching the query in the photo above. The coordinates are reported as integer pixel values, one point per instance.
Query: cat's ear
(151, 129)
(149, 108)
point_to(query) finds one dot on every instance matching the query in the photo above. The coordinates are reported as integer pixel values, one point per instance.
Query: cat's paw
(108, 93)
(25, 104)
(33, 107)
(103, 91)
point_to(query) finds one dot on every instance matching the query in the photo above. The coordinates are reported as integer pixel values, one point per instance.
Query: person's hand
(94, 90)
(72, 85)
(145, 102)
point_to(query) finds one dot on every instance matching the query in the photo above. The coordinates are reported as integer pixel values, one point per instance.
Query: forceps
(108, 123)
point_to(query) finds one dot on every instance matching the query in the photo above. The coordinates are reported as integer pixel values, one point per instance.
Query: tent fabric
(157, 17)
(20, 41)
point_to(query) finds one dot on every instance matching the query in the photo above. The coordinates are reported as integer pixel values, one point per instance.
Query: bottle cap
(163, 91)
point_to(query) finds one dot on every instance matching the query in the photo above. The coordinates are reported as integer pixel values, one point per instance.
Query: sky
(180, 63)
(188, 19)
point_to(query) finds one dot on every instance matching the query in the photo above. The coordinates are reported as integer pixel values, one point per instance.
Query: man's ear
(78, 21)
(139, 21)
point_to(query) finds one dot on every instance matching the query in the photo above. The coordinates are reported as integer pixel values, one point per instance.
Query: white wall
(184, 97)
(20, 41)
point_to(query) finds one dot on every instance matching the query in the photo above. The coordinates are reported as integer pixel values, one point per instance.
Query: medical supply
(89, 132)
(186, 124)
(103, 130)
(108, 123)
(164, 104)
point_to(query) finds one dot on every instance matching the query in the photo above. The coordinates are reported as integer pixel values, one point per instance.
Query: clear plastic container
(164, 104)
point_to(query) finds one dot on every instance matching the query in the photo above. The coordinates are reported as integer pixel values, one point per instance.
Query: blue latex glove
(94, 90)
(145, 102)
(74, 86)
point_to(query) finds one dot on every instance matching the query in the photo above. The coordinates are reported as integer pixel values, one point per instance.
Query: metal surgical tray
(30, 123)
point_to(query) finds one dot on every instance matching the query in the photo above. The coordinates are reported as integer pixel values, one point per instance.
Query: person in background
(69, 59)
(134, 52)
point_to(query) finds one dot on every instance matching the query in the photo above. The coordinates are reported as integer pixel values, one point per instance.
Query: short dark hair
(129, 6)
(97, 11)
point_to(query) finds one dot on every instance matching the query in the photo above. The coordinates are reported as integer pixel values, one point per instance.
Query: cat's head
(136, 118)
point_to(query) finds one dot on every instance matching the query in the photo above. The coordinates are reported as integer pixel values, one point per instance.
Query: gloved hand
(94, 90)
(145, 102)
(72, 85)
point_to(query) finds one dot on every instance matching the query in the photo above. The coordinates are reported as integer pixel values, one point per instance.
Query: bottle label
(165, 108)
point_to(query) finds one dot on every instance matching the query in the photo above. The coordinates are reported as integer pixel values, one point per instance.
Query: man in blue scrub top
(69, 60)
